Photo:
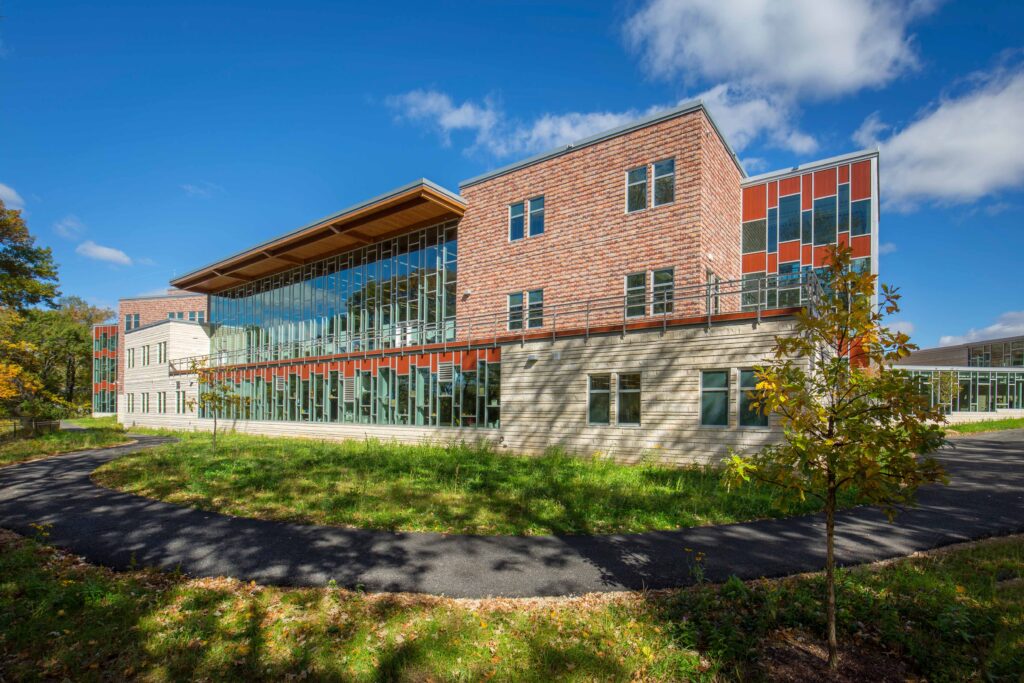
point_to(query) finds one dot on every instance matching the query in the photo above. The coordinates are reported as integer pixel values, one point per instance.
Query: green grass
(109, 422)
(986, 426)
(950, 616)
(455, 489)
(64, 441)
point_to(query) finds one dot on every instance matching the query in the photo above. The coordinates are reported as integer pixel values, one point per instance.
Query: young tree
(216, 395)
(850, 420)
(28, 275)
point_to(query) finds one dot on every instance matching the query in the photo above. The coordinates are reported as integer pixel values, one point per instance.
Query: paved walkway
(985, 497)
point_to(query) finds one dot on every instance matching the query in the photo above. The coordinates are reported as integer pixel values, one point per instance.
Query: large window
(536, 216)
(636, 189)
(664, 182)
(515, 311)
(755, 237)
(629, 398)
(599, 396)
(714, 398)
(636, 295)
(789, 218)
(535, 308)
(860, 217)
(824, 221)
(663, 285)
(789, 284)
(516, 221)
(131, 358)
(749, 415)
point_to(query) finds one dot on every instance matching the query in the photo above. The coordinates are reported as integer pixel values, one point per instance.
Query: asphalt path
(985, 497)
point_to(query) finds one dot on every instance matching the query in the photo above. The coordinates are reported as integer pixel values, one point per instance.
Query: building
(973, 381)
(104, 370)
(611, 295)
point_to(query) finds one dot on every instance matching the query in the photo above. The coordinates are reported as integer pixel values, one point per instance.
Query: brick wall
(590, 243)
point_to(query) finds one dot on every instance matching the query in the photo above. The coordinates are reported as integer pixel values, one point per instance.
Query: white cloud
(746, 116)
(1009, 324)
(69, 227)
(202, 189)
(904, 326)
(886, 248)
(960, 150)
(869, 132)
(98, 252)
(10, 198)
(809, 48)
(492, 130)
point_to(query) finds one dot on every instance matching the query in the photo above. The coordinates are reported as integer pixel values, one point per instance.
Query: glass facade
(395, 293)
(1004, 354)
(456, 389)
(958, 390)
(104, 369)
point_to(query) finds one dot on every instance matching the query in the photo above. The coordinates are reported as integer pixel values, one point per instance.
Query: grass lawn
(986, 426)
(63, 441)
(951, 615)
(457, 489)
(109, 422)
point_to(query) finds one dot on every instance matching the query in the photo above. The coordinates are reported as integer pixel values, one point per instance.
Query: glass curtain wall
(395, 293)
(104, 369)
(956, 390)
(419, 390)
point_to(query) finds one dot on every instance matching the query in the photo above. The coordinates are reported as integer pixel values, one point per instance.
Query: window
(161, 402)
(201, 317)
(664, 291)
(192, 316)
(636, 189)
(789, 284)
(629, 398)
(750, 416)
(181, 315)
(844, 208)
(789, 218)
(131, 321)
(773, 230)
(536, 216)
(131, 403)
(807, 227)
(636, 294)
(753, 291)
(515, 311)
(664, 182)
(714, 398)
(599, 396)
(145, 401)
(131, 358)
(860, 218)
(145, 355)
(516, 220)
(161, 352)
(180, 403)
(170, 316)
(535, 308)
(824, 221)
(754, 237)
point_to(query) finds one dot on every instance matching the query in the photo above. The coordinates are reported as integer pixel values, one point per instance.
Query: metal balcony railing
(679, 305)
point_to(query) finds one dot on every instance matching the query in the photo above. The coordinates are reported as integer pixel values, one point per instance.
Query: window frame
(645, 183)
(741, 413)
(522, 216)
(534, 321)
(628, 291)
(667, 302)
(720, 390)
(519, 315)
(619, 391)
(530, 212)
(606, 392)
(655, 178)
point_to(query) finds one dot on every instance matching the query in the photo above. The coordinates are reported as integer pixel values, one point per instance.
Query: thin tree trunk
(215, 432)
(830, 577)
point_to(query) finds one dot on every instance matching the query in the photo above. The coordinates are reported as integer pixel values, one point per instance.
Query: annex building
(608, 296)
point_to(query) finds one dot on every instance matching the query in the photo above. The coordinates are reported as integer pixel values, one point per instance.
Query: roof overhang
(410, 207)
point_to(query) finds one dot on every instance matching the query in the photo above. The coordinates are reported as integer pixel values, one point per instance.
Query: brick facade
(590, 243)
(153, 309)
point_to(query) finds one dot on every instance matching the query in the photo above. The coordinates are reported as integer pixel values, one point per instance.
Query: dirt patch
(794, 657)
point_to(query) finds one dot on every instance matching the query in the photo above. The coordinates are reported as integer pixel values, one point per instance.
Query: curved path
(985, 497)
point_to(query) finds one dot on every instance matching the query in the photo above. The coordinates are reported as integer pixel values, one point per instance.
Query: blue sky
(146, 139)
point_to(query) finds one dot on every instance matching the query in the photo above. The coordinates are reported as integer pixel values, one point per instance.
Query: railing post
(554, 325)
(707, 303)
(760, 293)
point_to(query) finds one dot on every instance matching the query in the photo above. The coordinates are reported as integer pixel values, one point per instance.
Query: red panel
(806, 257)
(844, 174)
(494, 355)
(754, 263)
(469, 361)
(844, 239)
(773, 264)
(860, 183)
(773, 195)
(789, 186)
(825, 183)
(862, 246)
(789, 251)
(754, 199)
(820, 256)
(403, 365)
(807, 200)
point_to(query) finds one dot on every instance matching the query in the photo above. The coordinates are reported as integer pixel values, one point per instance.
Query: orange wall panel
(754, 202)
(820, 256)
(806, 256)
(807, 201)
(862, 246)
(860, 183)
(789, 251)
(754, 263)
(773, 263)
(824, 183)
(844, 174)
(789, 186)
(773, 195)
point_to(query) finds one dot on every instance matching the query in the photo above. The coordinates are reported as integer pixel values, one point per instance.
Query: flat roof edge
(811, 165)
(642, 122)
(177, 295)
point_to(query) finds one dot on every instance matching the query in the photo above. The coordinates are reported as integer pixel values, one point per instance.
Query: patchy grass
(986, 426)
(63, 441)
(454, 489)
(88, 422)
(952, 615)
